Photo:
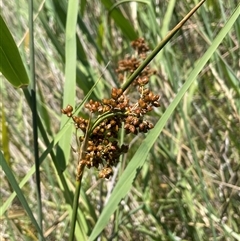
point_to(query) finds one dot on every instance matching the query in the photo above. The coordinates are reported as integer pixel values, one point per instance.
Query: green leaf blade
(11, 64)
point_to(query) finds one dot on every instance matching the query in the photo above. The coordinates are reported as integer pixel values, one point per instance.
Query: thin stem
(34, 117)
(75, 208)
(103, 117)
(80, 170)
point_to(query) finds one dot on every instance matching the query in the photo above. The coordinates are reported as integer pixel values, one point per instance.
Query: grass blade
(63, 150)
(19, 193)
(11, 64)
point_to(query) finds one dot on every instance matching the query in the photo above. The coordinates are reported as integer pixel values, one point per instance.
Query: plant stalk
(34, 117)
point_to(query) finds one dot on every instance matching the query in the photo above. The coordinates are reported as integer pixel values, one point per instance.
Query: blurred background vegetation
(189, 187)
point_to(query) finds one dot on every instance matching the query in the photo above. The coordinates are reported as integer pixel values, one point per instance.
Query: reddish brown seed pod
(150, 125)
(121, 106)
(69, 108)
(106, 172)
(146, 91)
(63, 111)
(113, 122)
(100, 108)
(156, 104)
(119, 92)
(126, 126)
(156, 97)
(121, 98)
(108, 126)
(102, 130)
(137, 112)
(149, 108)
(99, 147)
(105, 101)
(75, 118)
(143, 81)
(82, 126)
(90, 143)
(116, 128)
(135, 121)
(142, 103)
(105, 141)
(106, 108)
(109, 134)
(141, 126)
(114, 94)
(90, 148)
(113, 148)
(132, 128)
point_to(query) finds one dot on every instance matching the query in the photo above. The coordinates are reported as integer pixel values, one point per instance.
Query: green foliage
(11, 64)
(180, 181)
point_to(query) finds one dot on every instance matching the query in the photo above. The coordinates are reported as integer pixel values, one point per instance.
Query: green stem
(159, 47)
(104, 116)
(34, 118)
(75, 208)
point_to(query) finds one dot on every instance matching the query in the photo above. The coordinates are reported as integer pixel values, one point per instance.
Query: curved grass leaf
(18, 191)
(125, 26)
(126, 180)
(11, 64)
(63, 150)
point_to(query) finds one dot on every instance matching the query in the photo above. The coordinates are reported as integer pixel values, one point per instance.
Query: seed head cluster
(102, 149)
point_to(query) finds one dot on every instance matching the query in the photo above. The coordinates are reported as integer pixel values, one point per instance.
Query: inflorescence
(102, 149)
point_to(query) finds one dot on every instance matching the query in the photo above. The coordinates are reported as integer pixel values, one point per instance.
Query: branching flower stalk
(99, 146)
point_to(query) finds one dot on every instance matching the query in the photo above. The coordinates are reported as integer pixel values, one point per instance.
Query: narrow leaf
(18, 191)
(11, 64)
(64, 147)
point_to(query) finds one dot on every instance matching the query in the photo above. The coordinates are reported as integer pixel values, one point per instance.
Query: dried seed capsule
(105, 173)
(90, 148)
(135, 121)
(149, 108)
(109, 134)
(114, 94)
(126, 126)
(108, 126)
(119, 92)
(156, 104)
(143, 81)
(141, 126)
(113, 122)
(142, 103)
(156, 97)
(82, 127)
(116, 128)
(69, 108)
(132, 128)
(150, 125)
